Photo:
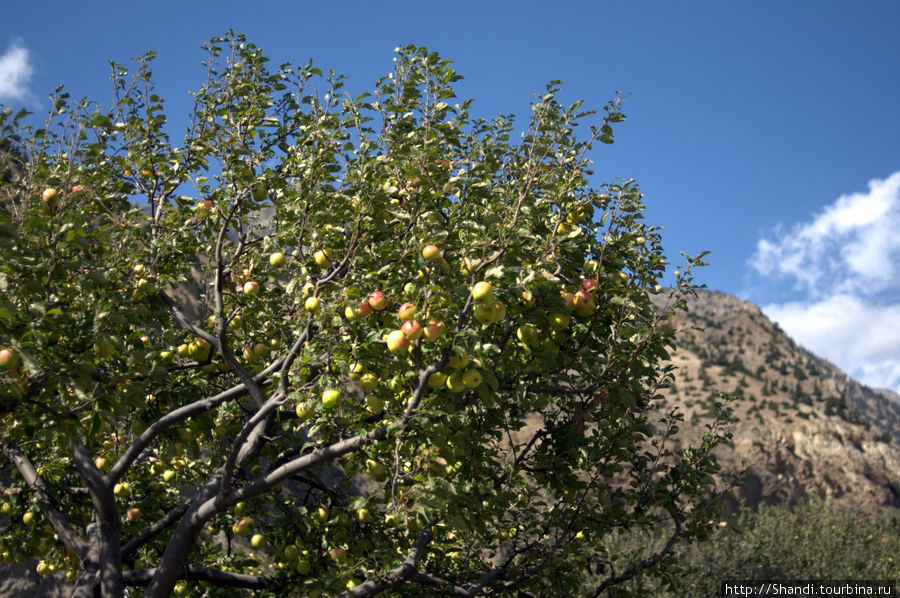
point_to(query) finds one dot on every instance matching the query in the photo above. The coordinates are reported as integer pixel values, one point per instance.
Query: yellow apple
(483, 292)
(277, 259)
(397, 342)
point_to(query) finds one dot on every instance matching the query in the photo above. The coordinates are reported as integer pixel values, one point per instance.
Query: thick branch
(142, 577)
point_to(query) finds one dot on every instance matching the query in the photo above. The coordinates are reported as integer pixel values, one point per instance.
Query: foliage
(815, 540)
(197, 351)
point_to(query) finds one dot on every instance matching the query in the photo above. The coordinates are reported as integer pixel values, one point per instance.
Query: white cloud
(844, 264)
(15, 73)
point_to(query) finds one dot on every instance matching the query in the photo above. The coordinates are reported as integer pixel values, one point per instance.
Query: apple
(312, 305)
(563, 228)
(243, 527)
(304, 411)
(77, 188)
(236, 323)
(528, 334)
(102, 463)
(251, 287)
(589, 284)
(322, 514)
(49, 195)
(103, 348)
(338, 554)
(458, 362)
(374, 404)
(569, 299)
(455, 382)
(303, 566)
(204, 204)
(168, 475)
(431, 253)
(559, 321)
(139, 270)
(42, 568)
(471, 378)
(277, 259)
(368, 382)
(9, 359)
(364, 515)
(122, 489)
(331, 398)
(484, 313)
(133, 514)
(412, 329)
(322, 258)
(584, 302)
(259, 193)
(357, 370)
(376, 470)
(257, 541)
(350, 312)
(199, 349)
(28, 518)
(364, 309)
(433, 330)
(406, 311)
(437, 379)
(526, 298)
(483, 292)
(397, 342)
(498, 311)
(6, 508)
(378, 301)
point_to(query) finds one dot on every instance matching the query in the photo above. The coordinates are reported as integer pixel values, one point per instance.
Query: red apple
(251, 287)
(589, 284)
(406, 311)
(9, 359)
(377, 300)
(412, 329)
(433, 330)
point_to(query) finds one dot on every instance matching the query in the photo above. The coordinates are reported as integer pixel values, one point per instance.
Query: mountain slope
(806, 428)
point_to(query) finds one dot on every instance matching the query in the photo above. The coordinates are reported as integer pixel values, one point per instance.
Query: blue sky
(767, 132)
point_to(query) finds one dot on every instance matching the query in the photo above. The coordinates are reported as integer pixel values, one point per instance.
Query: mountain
(805, 427)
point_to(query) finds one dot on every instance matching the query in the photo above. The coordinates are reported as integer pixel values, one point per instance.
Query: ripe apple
(431, 253)
(312, 305)
(584, 302)
(322, 258)
(589, 284)
(331, 398)
(406, 311)
(304, 411)
(378, 301)
(251, 287)
(277, 259)
(133, 514)
(364, 309)
(243, 527)
(433, 330)
(28, 518)
(397, 342)
(49, 195)
(77, 188)
(9, 359)
(412, 329)
(483, 292)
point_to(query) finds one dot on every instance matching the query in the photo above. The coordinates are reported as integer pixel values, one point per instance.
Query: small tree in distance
(332, 345)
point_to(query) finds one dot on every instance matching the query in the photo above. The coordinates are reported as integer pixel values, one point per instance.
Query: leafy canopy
(330, 344)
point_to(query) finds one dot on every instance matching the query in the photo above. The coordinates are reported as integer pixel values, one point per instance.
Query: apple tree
(332, 345)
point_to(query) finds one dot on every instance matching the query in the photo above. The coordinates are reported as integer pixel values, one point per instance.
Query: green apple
(322, 258)
(376, 470)
(374, 404)
(455, 382)
(168, 475)
(559, 321)
(331, 398)
(471, 378)
(103, 348)
(312, 305)
(432, 253)
(304, 411)
(483, 292)
(437, 379)
(259, 192)
(498, 311)
(484, 313)
(357, 370)
(257, 540)
(28, 518)
(303, 566)
(363, 515)
(277, 259)
(458, 362)
(527, 334)
(368, 382)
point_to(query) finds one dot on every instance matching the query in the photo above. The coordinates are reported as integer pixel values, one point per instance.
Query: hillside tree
(332, 345)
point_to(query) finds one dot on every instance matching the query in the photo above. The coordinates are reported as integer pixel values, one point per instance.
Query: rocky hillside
(806, 428)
